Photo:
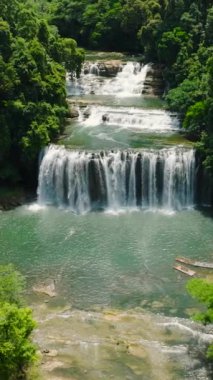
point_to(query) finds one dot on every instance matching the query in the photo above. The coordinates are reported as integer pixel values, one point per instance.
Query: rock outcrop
(11, 198)
(46, 288)
(73, 111)
(103, 68)
(154, 83)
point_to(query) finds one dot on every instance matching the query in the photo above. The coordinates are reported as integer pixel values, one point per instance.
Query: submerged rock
(50, 366)
(48, 289)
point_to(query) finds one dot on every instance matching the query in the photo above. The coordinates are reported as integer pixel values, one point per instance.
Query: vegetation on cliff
(33, 59)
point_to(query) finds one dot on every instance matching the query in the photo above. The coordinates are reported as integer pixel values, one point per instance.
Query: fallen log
(184, 270)
(194, 263)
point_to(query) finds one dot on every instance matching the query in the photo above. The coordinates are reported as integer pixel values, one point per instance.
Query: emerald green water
(110, 100)
(106, 138)
(117, 296)
(107, 260)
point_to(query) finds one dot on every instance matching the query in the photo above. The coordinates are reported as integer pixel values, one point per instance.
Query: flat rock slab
(48, 289)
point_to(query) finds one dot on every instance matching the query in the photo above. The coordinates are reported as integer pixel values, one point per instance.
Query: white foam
(163, 211)
(70, 233)
(137, 119)
(120, 211)
(191, 330)
(36, 207)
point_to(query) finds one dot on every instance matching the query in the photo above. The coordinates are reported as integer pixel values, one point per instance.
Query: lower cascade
(148, 179)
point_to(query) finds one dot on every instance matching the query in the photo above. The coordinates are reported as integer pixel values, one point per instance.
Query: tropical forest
(106, 189)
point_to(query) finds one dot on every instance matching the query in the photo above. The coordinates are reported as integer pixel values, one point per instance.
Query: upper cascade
(129, 81)
(148, 179)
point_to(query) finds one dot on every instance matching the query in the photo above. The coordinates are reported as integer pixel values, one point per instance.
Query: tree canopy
(33, 60)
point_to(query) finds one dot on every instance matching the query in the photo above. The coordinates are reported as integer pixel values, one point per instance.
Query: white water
(151, 179)
(147, 120)
(92, 68)
(128, 82)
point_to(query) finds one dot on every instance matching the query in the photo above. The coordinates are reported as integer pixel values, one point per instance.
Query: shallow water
(119, 345)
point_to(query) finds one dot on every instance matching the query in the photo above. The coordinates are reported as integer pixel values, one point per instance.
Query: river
(114, 210)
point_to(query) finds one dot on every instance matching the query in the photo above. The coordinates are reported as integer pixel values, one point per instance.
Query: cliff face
(13, 197)
(154, 84)
(203, 184)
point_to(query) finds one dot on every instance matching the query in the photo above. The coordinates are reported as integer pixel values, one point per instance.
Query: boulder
(73, 112)
(87, 112)
(110, 68)
(103, 68)
(105, 117)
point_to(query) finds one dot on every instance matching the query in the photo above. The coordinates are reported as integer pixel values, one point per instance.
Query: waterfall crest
(149, 179)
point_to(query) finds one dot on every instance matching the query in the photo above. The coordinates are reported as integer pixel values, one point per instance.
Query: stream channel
(115, 208)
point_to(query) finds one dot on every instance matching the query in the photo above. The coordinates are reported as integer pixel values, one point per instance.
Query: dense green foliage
(203, 291)
(11, 285)
(33, 59)
(17, 352)
(176, 33)
(110, 24)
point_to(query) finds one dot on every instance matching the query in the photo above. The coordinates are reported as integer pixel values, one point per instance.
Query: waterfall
(92, 69)
(147, 120)
(129, 81)
(149, 179)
